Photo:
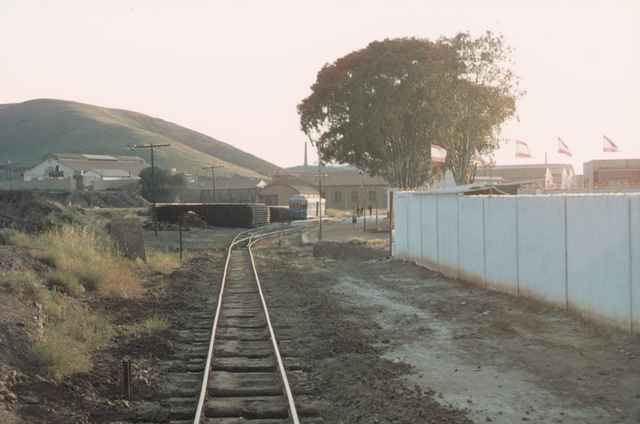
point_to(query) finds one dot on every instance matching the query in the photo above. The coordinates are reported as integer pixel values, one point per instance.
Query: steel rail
(205, 376)
(293, 412)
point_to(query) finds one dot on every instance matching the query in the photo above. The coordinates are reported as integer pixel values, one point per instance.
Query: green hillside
(32, 129)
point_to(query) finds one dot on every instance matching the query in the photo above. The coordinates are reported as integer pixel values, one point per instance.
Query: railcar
(306, 206)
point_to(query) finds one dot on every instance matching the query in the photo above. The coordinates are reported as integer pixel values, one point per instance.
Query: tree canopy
(160, 185)
(380, 108)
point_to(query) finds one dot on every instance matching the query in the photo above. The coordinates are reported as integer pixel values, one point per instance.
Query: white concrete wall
(447, 234)
(501, 243)
(472, 258)
(634, 206)
(577, 251)
(598, 257)
(541, 248)
(428, 232)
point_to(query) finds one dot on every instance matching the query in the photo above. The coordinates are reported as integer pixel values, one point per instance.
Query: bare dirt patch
(496, 357)
(342, 347)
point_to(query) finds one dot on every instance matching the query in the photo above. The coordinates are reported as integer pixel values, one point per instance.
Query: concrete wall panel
(414, 225)
(598, 257)
(428, 231)
(472, 239)
(448, 257)
(401, 212)
(501, 249)
(541, 248)
(635, 262)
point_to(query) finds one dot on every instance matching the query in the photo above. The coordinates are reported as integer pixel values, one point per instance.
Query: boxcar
(306, 207)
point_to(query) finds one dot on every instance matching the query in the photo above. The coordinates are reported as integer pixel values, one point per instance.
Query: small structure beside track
(247, 215)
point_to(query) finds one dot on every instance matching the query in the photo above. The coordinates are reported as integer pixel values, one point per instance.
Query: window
(372, 196)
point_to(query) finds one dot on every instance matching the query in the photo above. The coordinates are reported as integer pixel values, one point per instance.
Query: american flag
(522, 149)
(563, 148)
(608, 145)
(438, 153)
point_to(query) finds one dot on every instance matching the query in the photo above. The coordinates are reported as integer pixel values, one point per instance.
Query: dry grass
(72, 334)
(66, 282)
(163, 263)
(25, 285)
(85, 255)
(148, 327)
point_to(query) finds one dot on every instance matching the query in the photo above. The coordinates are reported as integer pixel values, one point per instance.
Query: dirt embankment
(341, 347)
(34, 211)
(46, 381)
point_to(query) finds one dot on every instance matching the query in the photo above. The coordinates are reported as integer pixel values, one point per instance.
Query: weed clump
(72, 334)
(148, 327)
(162, 263)
(83, 254)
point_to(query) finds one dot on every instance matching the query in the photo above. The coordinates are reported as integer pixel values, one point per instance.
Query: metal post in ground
(376, 218)
(390, 223)
(127, 387)
(180, 235)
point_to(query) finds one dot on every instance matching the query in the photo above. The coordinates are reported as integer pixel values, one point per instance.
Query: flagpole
(545, 158)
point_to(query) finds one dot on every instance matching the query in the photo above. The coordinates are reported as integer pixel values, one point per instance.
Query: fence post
(517, 221)
(437, 231)
(484, 241)
(566, 257)
(629, 229)
(390, 223)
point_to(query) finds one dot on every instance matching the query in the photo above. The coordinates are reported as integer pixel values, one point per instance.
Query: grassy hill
(30, 130)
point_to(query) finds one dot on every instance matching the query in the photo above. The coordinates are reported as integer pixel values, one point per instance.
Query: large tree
(381, 108)
(377, 108)
(479, 101)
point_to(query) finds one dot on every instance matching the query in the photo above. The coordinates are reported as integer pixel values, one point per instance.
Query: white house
(90, 170)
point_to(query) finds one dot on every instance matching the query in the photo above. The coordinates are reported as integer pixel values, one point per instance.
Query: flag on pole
(484, 161)
(563, 148)
(608, 145)
(548, 179)
(438, 153)
(522, 149)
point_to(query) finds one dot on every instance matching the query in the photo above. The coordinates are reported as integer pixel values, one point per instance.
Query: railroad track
(245, 379)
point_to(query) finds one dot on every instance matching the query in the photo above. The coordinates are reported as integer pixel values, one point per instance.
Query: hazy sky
(236, 69)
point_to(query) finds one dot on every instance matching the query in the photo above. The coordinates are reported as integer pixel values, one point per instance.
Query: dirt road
(392, 342)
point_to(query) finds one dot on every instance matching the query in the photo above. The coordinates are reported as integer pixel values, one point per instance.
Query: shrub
(163, 263)
(89, 257)
(24, 284)
(72, 334)
(148, 327)
(66, 281)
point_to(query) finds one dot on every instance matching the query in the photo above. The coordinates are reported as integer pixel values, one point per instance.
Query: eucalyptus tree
(377, 108)
(380, 108)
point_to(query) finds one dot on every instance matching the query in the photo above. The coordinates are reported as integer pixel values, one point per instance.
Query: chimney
(306, 163)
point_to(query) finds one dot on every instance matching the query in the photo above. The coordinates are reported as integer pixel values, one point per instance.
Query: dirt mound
(351, 249)
(32, 211)
(106, 199)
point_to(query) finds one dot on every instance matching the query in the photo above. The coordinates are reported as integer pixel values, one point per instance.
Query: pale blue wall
(578, 251)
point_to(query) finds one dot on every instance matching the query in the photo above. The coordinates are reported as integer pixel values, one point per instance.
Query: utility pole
(151, 147)
(213, 179)
(364, 213)
(320, 175)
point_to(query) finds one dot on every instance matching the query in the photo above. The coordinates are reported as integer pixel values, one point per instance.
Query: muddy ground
(393, 342)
